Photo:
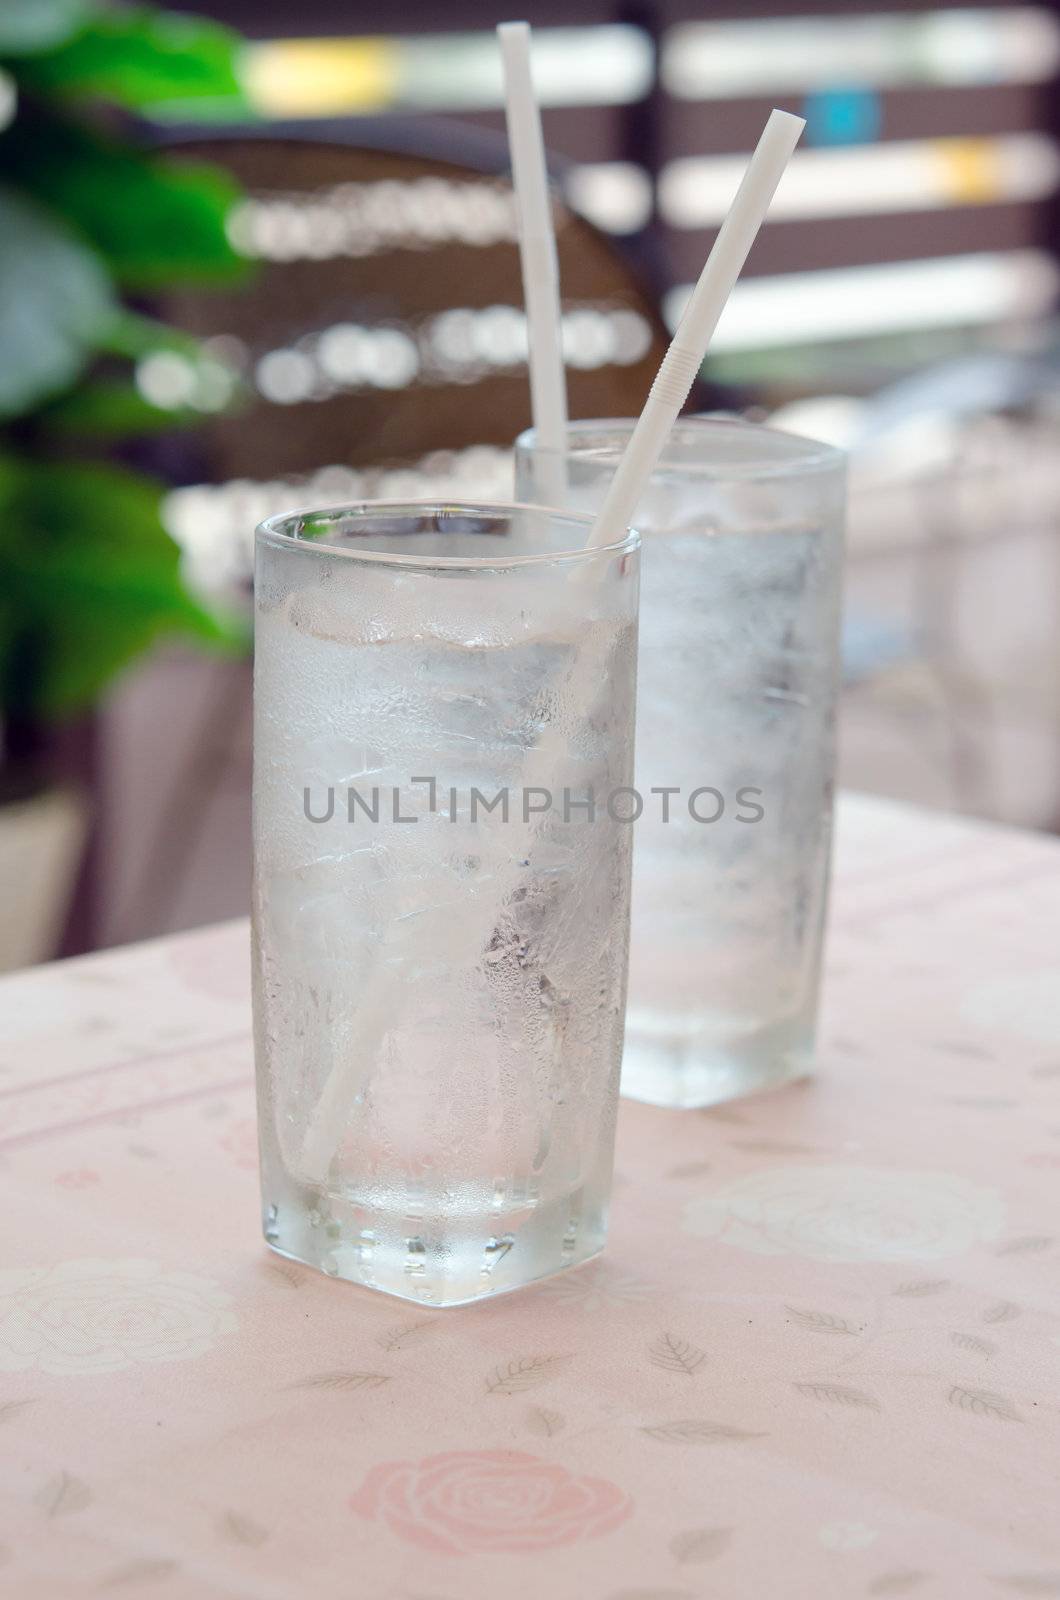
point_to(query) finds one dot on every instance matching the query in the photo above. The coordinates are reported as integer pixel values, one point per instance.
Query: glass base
(432, 1261)
(684, 1063)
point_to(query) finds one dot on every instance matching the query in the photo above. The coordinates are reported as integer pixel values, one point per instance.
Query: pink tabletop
(820, 1358)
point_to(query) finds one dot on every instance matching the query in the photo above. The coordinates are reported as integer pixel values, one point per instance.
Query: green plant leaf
(30, 25)
(90, 578)
(106, 408)
(132, 334)
(145, 60)
(55, 304)
(155, 219)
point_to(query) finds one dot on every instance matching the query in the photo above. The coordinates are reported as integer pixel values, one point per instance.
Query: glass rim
(277, 532)
(813, 456)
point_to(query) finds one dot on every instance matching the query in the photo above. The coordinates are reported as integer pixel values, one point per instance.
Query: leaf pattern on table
(902, 1581)
(839, 1236)
(700, 1544)
(957, 1047)
(847, 1535)
(981, 1403)
(676, 1355)
(1004, 1311)
(971, 1341)
(723, 1113)
(63, 1494)
(774, 1147)
(839, 1394)
(405, 1333)
(524, 1372)
(594, 1288)
(147, 1569)
(546, 1424)
(821, 1321)
(982, 1102)
(341, 1380)
(9, 1409)
(287, 1272)
(651, 1594)
(241, 1529)
(697, 1430)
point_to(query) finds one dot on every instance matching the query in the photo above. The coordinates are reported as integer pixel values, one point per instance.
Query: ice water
(736, 699)
(740, 576)
(439, 998)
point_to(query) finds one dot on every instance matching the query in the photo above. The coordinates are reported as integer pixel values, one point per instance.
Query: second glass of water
(741, 561)
(440, 920)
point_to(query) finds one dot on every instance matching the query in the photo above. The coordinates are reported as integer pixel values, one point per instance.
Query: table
(820, 1357)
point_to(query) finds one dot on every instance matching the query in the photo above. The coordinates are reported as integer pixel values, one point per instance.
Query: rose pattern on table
(847, 1536)
(94, 1316)
(474, 1502)
(205, 964)
(847, 1213)
(907, 1401)
(1026, 1004)
(78, 1178)
(241, 1144)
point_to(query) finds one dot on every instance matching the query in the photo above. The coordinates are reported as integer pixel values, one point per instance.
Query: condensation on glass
(741, 558)
(438, 978)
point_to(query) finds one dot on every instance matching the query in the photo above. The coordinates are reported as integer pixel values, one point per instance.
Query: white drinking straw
(689, 345)
(537, 243)
(469, 932)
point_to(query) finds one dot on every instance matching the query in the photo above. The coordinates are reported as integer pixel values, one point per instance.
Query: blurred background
(254, 256)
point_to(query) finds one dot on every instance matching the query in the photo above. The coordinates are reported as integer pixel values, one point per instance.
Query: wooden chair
(370, 236)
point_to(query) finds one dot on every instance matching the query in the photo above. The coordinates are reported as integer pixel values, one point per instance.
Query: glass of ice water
(443, 709)
(741, 561)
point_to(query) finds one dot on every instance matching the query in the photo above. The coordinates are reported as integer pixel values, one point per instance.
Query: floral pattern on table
(820, 1356)
(100, 1316)
(1026, 1004)
(466, 1502)
(240, 1144)
(846, 1213)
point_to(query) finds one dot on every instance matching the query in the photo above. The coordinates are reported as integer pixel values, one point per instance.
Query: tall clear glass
(742, 548)
(440, 915)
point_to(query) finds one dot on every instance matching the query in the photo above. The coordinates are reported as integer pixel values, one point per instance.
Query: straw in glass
(537, 253)
(684, 358)
(468, 934)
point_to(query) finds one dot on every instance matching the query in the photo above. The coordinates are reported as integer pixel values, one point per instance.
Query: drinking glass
(741, 560)
(443, 708)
